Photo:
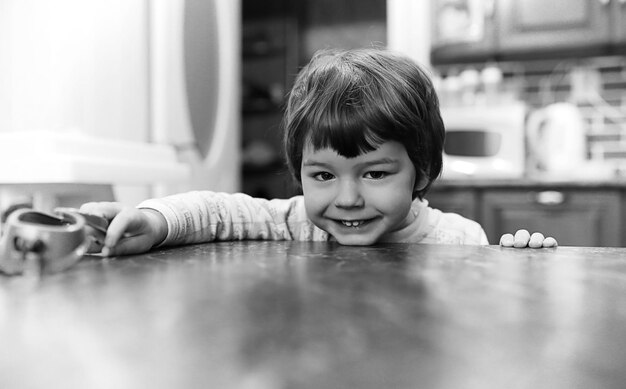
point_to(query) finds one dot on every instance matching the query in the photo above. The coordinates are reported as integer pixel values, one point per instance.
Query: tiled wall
(596, 85)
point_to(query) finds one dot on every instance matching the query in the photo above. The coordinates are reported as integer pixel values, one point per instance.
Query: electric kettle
(556, 139)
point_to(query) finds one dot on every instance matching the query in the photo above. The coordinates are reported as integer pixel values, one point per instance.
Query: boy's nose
(348, 195)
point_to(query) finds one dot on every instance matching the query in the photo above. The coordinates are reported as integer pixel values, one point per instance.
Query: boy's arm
(204, 216)
(523, 238)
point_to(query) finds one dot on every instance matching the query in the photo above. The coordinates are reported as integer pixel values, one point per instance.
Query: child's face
(359, 200)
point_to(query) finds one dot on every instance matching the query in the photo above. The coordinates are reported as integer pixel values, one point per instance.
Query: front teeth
(353, 223)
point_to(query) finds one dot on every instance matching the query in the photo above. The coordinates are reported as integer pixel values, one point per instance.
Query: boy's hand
(523, 239)
(131, 230)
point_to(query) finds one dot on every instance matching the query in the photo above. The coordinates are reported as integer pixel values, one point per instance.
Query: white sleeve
(451, 228)
(204, 216)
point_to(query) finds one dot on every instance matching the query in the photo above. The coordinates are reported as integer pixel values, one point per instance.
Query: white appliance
(484, 141)
(52, 157)
(556, 139)
(195, 89)
(94, 79)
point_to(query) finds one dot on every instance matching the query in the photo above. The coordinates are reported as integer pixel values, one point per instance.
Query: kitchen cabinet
(573, 217)
(552, 25)
(511, 28)
(463, 202)
(576, 215)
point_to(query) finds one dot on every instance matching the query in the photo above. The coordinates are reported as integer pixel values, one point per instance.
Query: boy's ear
(421, 183)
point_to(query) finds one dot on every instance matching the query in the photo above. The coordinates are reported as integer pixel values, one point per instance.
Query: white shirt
(204, 216)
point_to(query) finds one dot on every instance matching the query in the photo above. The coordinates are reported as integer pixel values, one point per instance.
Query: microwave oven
(484, 141)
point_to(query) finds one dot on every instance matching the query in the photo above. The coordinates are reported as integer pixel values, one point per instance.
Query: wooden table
(281, 315)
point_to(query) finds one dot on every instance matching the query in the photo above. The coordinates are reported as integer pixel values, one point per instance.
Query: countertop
(616, 182)
(319, 315)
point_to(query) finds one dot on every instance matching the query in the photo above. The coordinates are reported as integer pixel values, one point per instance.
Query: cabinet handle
(550, 197)
(605, 2)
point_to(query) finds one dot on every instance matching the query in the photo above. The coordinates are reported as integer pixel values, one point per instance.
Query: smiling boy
(363, 136)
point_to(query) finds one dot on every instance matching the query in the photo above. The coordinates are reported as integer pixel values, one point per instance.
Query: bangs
(345, 123)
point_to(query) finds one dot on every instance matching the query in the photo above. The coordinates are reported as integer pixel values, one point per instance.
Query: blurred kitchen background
(127, 99)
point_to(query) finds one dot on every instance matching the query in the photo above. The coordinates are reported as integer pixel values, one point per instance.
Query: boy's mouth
(352, 223)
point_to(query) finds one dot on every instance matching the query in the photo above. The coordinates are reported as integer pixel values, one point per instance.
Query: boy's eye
(323, 176)
(376, 175)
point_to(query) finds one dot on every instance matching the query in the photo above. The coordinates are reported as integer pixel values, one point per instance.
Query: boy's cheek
(311, 205)
(312, 195)
(315, 205)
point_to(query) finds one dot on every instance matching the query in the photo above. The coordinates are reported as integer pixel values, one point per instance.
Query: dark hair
(352, 101)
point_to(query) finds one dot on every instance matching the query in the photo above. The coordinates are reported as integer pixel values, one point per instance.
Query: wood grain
(321, 315)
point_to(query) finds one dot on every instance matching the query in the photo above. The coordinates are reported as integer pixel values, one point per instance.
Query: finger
(122, 223)
(108, 210)
(507, 240)
(550, 242)
(128, 245)
(536, 240)
(522, 237)
(92, 208)
(86, 207)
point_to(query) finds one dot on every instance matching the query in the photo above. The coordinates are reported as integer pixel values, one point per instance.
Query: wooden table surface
(281, 315)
